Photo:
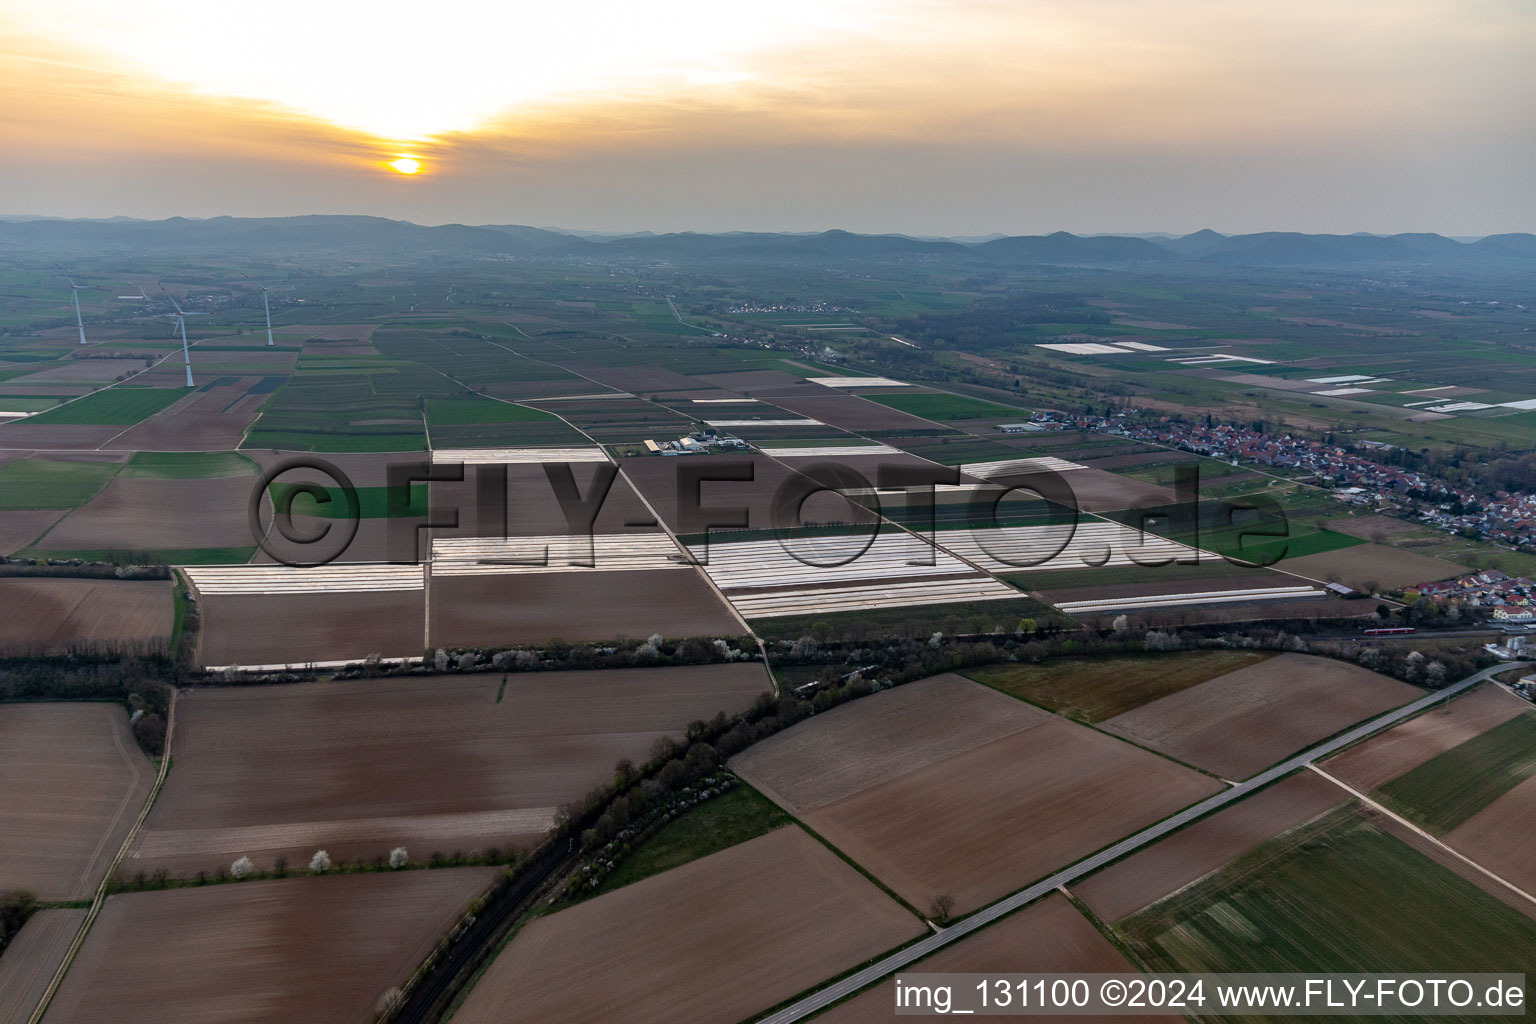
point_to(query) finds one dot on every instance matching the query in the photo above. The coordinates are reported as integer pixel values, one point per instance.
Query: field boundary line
(101, 890)
(1388, 812)
(819, 999)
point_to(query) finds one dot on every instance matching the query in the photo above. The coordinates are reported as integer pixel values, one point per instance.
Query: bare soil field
(851, 412)
(93, 370)
(31, 960)
(878, 738)
(749, 382)
(1382, 758)
(984, 823)
(658, 479)
(1386, 566)
(75, 780)
(1369, 527)
(1502, 835)
(1098, 491)
(712, 942)
(1240, 723)
(534, 510)
(1045, 937)
(579, 605)
(971, 812)
(20, 527)
(1128, 886)
(1153, 586)
(287, 629)
(141, 513)
(433, 763)
(53, 615)
(49, 436)
(300, 949)
(1192, 615)
(214, 420)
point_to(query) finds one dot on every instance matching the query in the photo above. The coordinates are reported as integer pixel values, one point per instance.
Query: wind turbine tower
(268, 309)
(181, 323)
(74, 293)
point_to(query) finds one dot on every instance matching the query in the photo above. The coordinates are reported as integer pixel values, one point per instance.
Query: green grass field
(114, 407)
(463, 411)
(730, 818)
(373, 502)
(949, 407)
(49, 483)
(1446, 790)
(190, 465)
(1338, 895)
(1094, 689)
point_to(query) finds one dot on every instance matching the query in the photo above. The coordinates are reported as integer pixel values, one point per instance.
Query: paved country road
(823, 998)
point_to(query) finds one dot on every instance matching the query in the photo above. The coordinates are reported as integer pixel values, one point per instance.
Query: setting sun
(406, 165)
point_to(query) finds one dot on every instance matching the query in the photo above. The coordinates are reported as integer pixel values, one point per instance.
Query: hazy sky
(917, 116)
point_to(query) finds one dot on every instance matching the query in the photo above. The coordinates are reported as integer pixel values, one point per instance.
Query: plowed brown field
(434, 763)
(299, 949)
(711, 942)
(1240, 723)
(74, 780)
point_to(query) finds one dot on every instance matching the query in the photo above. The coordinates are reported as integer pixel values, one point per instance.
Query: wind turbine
(74, 293)
(181, 323)
(268, 309)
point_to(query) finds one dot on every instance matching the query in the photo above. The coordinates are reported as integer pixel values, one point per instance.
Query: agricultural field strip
(1205, 597)
(495, 825)
(1090, 544)
(351, 578)
(857, 382)
(821, 999)
(519, 456)
(766, 423)
(1015, 467)
(890, 595)
(825, 451)
(490, 556)
(766, 563)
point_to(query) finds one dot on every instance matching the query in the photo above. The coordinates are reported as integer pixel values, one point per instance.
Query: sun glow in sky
(923, 116)
(406, 165)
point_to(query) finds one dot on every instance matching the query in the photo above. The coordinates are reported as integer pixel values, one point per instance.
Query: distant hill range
(376, 236)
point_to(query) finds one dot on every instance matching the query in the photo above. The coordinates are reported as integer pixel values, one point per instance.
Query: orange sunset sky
(902, 115)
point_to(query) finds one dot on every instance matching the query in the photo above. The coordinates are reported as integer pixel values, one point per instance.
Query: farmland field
(974, 818)
(294, 629)
(1093, 689)
(1401, 748)
(75, 780)
(20, 527)
(1330, 897)
(1126, 887)
(189, 465)
(290, 950)
(1450, 788)
(432, 763)
(58, 615)
(1388, 567)
(1236, 724)
(712, 942)
(41, 482)
(1046, 937)
(145, 514)
(120, 406)
(949, 407)
(1500, 836)
(31, 960)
